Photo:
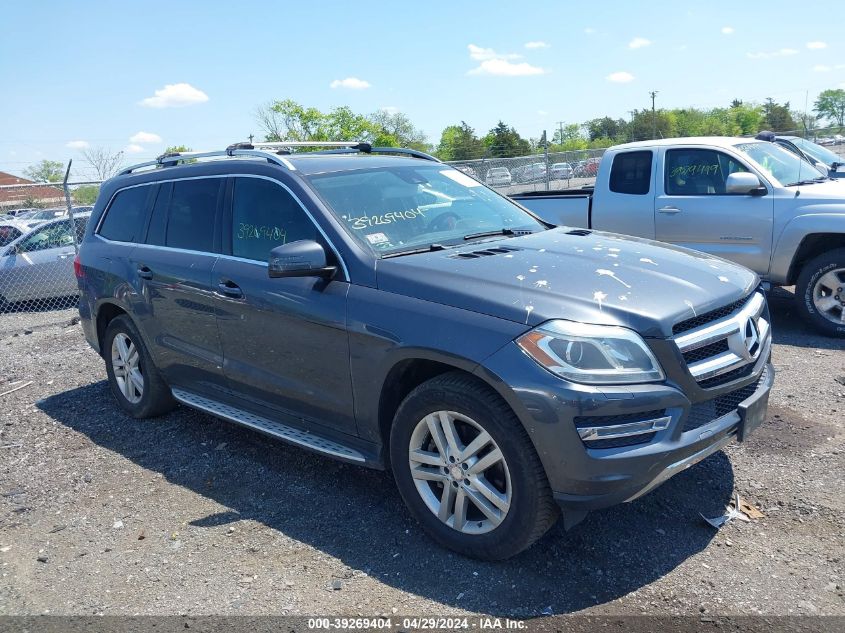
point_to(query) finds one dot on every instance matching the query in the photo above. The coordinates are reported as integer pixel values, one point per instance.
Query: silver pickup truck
(748, 201)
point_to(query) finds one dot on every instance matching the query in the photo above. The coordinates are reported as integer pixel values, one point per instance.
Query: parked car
(561, 171)
(502, 369)
(498, 177)
(742, 199)
(39, 263)
(533, 172)
(828, 163)
(11, 229)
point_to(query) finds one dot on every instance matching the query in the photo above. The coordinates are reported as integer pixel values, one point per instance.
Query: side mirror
(304, 258)
(745, 183)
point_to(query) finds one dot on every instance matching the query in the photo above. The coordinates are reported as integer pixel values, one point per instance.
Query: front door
(285, 343)
(693, 209)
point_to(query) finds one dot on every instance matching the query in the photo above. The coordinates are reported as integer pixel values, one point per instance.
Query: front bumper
(584, 478)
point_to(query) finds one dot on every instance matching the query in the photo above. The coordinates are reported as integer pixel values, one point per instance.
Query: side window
(8, 234)
(696, 172)
(158, 217)
(631, 173)
(190, 220)
(125, 217)
(50, 236)
(264, 215)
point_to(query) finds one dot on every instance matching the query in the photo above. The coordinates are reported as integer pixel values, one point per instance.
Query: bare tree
(105, 163)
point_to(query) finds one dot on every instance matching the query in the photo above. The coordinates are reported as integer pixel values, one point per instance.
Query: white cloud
(389, 109)
(536, 45)
(175, 96)
(482, 54)
(783, 52)
(821, 68)
(621, 77)
(133, 148)
(589, 31)
(493, 63)
(639, 42)
(77, 144)
(505, 68)
(727, 30)
(145, 137)
(353, 83)
(816, 45)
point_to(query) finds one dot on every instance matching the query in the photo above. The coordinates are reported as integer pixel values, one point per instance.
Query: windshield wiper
(414, 251)
(807, 182)
(506, 231)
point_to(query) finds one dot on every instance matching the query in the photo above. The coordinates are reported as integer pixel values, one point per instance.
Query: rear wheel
(134, 379)
(820, 292)
(467, 470)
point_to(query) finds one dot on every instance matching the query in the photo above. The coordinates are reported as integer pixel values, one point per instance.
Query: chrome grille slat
(745, 331)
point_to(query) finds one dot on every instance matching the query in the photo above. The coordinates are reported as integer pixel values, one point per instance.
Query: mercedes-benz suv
(391, 311)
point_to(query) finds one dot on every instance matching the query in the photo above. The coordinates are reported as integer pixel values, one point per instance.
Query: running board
(270, 427)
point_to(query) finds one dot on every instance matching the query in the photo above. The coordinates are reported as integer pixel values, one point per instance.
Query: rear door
(693, 209)
(285, 343)
(625, 203)
(171, 270)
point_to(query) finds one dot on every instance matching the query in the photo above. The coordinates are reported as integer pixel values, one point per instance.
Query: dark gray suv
(392, 311)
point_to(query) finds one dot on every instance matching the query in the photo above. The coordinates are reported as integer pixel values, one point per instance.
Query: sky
(139, 76)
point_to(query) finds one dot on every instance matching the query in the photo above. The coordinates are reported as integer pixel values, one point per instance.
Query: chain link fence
(41, 226)
(537, 172)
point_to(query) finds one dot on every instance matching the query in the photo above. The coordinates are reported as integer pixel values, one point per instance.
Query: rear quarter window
(126, 215)
(631, 173)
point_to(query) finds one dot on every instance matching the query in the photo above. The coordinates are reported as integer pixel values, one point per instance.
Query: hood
(832, 190)
(590, 277)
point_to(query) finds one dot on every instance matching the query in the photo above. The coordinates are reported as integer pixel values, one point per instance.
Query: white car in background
(498, 177)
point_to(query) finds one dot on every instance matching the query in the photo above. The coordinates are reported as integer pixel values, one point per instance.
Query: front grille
(708, 317)
(706, 412)
(723, 345)
(610, 420)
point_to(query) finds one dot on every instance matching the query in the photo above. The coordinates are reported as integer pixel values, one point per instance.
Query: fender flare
(826, 219)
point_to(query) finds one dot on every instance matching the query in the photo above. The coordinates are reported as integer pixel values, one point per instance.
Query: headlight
(591, 354)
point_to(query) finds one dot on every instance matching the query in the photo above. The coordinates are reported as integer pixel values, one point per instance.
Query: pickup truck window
(631, 173)
(390, 209)
(697, 172)
(785, 166)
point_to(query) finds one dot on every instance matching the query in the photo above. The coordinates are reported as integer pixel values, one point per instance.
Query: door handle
(64, 255)
(229, 288)
(145, 273)
(669, 209)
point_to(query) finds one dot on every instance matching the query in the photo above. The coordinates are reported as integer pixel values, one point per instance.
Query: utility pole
(653, 94)
(632, 113)
(560, 127)
(250, 138)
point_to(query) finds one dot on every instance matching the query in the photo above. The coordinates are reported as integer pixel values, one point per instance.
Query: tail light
(77, 267)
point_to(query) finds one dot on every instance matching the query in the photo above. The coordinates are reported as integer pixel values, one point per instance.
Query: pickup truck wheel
(467, 470)
(820, 292)
(133, 377)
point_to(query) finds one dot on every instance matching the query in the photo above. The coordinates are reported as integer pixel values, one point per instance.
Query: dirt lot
(102, 514)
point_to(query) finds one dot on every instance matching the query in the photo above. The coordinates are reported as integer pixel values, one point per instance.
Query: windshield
(817, 151)
(395, 209)
(783, 165)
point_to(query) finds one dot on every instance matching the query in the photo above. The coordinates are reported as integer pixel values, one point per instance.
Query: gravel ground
(102, 514)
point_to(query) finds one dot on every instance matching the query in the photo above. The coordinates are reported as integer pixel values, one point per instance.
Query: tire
(155, 397)
(820, 282)
(525, 508)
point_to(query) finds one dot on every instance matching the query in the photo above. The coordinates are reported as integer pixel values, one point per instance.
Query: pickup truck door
(693, 210)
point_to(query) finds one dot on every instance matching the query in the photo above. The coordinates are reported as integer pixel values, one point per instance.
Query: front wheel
(820, 292)
(467, 470)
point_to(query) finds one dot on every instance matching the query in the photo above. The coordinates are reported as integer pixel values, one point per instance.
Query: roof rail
(274, 152)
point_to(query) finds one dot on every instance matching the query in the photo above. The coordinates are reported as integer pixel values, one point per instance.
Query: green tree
(46, 171)
(748, 118)
(85, 194)
(395, 129)
(831, 105)
(459, 142)
(606, 127)
(178, 149)
(777, 117)
(504, 141)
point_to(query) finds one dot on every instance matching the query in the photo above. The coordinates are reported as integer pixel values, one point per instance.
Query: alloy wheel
(126, 367)
(460, 472)
(829, 295)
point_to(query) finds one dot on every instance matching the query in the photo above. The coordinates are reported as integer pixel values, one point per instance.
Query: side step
(270, 427)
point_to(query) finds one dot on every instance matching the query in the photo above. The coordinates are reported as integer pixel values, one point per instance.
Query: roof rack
(275, 151)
